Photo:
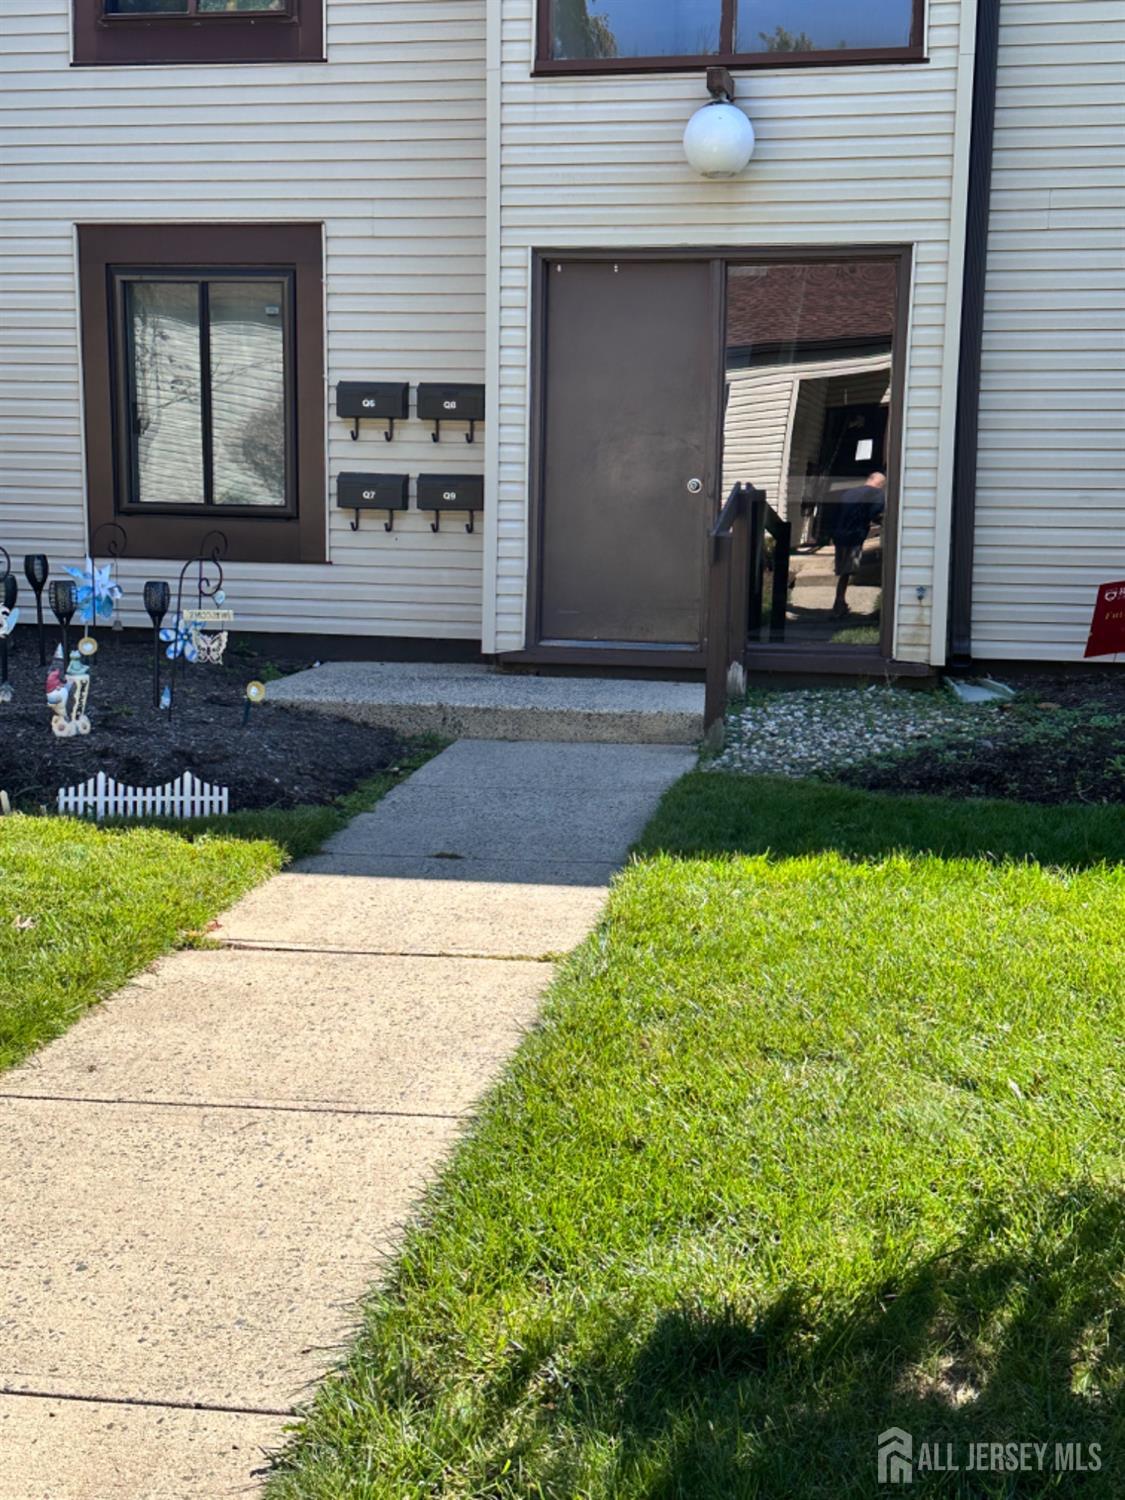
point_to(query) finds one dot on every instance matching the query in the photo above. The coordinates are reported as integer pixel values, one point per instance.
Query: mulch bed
(280, 758)
(1061, 740)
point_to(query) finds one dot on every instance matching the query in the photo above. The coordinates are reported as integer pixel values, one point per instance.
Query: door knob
(695, 486)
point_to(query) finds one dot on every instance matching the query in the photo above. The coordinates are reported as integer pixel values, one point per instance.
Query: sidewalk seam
(290, 1109)
(165, 1405)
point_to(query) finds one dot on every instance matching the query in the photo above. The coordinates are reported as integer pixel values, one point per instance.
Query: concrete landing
(482, 702)
(204, 1175)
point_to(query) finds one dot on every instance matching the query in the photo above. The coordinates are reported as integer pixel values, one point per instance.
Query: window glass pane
(162, 318)
(145, 7)
(808, 392)
(634, 28)
(821, 25)
(239, 5)
(248, 391)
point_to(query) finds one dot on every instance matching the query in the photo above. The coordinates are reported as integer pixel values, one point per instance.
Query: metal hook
(389, 523)
(390, 432)
(470, 436)
(469, 522)
(435, 524)
(355, 431)
(355, 524)
(435, 436)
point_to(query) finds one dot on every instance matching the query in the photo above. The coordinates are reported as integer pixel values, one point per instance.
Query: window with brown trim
(203, 369)
(593, 36)
(193, 31)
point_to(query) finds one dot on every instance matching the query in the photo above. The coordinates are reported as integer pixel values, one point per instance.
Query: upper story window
(585, 36)
(195, 31)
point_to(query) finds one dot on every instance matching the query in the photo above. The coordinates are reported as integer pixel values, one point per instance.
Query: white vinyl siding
(845, 156)
(384, 144)
(1050, 523)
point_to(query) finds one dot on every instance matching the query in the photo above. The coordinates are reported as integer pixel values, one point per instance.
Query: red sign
(1107, 628)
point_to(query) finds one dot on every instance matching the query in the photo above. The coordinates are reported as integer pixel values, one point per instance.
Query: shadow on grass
(708, 813)
(1010, 1337)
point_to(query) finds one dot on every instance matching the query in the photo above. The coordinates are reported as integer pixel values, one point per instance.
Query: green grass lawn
(820, 1133)
(84, 908)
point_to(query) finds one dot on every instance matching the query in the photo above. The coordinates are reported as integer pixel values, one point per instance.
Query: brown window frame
(547, 66)
(106, 38)
(111, 254)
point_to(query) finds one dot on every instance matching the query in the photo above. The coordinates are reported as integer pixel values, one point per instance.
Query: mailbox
(451, 403)
(359, 492)
(379, 401)
(438, 492)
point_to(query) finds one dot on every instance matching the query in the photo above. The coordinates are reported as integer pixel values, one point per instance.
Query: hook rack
(360, 492)
(438, 492)
(451, 403)
(376, 401)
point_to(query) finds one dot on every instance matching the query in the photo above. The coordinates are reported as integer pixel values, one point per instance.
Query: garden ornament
(67, 693)
(97, 591)
(157, 596)
(209, 644)
(255, 693)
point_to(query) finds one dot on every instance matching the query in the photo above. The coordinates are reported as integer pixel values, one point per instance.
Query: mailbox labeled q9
(450, 492)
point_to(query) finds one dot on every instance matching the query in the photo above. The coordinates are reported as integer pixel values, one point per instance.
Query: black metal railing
(736, 586)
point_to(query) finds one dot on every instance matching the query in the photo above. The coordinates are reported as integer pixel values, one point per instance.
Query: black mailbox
(438, 492)
(451, 403)
(389, 492)
(380, 401)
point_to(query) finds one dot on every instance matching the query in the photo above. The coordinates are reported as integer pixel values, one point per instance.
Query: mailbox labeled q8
(379, 400)
(451, 403)
(450, 492)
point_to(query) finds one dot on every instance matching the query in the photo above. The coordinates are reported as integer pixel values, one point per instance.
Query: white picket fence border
(102, 797)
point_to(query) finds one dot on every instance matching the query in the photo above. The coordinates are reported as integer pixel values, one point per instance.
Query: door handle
(695, 486)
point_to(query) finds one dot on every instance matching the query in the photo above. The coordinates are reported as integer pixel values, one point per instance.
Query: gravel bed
(824, 730)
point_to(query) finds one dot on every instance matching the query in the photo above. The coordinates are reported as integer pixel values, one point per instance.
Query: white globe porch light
(719, 139)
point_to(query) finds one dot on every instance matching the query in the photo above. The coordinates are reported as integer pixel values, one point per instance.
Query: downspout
(964, 500)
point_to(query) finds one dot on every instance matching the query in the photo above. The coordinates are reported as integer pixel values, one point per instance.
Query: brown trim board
(964, 497)
(285, 538)
(537, 650)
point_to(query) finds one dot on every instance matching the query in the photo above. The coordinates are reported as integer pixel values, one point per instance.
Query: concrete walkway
(206, 1172)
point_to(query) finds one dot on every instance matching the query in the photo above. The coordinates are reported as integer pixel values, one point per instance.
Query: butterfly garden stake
(186, 640)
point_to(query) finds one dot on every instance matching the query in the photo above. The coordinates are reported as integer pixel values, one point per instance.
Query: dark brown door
(630, 370)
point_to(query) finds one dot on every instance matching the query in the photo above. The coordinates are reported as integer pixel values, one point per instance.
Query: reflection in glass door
(809, 352)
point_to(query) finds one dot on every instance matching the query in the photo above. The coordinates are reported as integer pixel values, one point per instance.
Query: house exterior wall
(871, 155)
(1050, 498)
(385, 145)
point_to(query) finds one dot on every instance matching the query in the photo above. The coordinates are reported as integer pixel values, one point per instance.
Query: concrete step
(481, 702)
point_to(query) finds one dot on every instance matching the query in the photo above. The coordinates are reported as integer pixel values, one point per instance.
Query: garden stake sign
(36, 569)
(9, 617)
(67, 694)
(180, 636)
(255, 694)
(1107, 628)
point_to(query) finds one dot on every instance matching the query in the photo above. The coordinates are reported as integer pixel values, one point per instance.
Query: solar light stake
(157, 597)
(35, 570)
(64, 601)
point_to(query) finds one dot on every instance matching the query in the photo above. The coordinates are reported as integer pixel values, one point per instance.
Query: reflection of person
(857, 509)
